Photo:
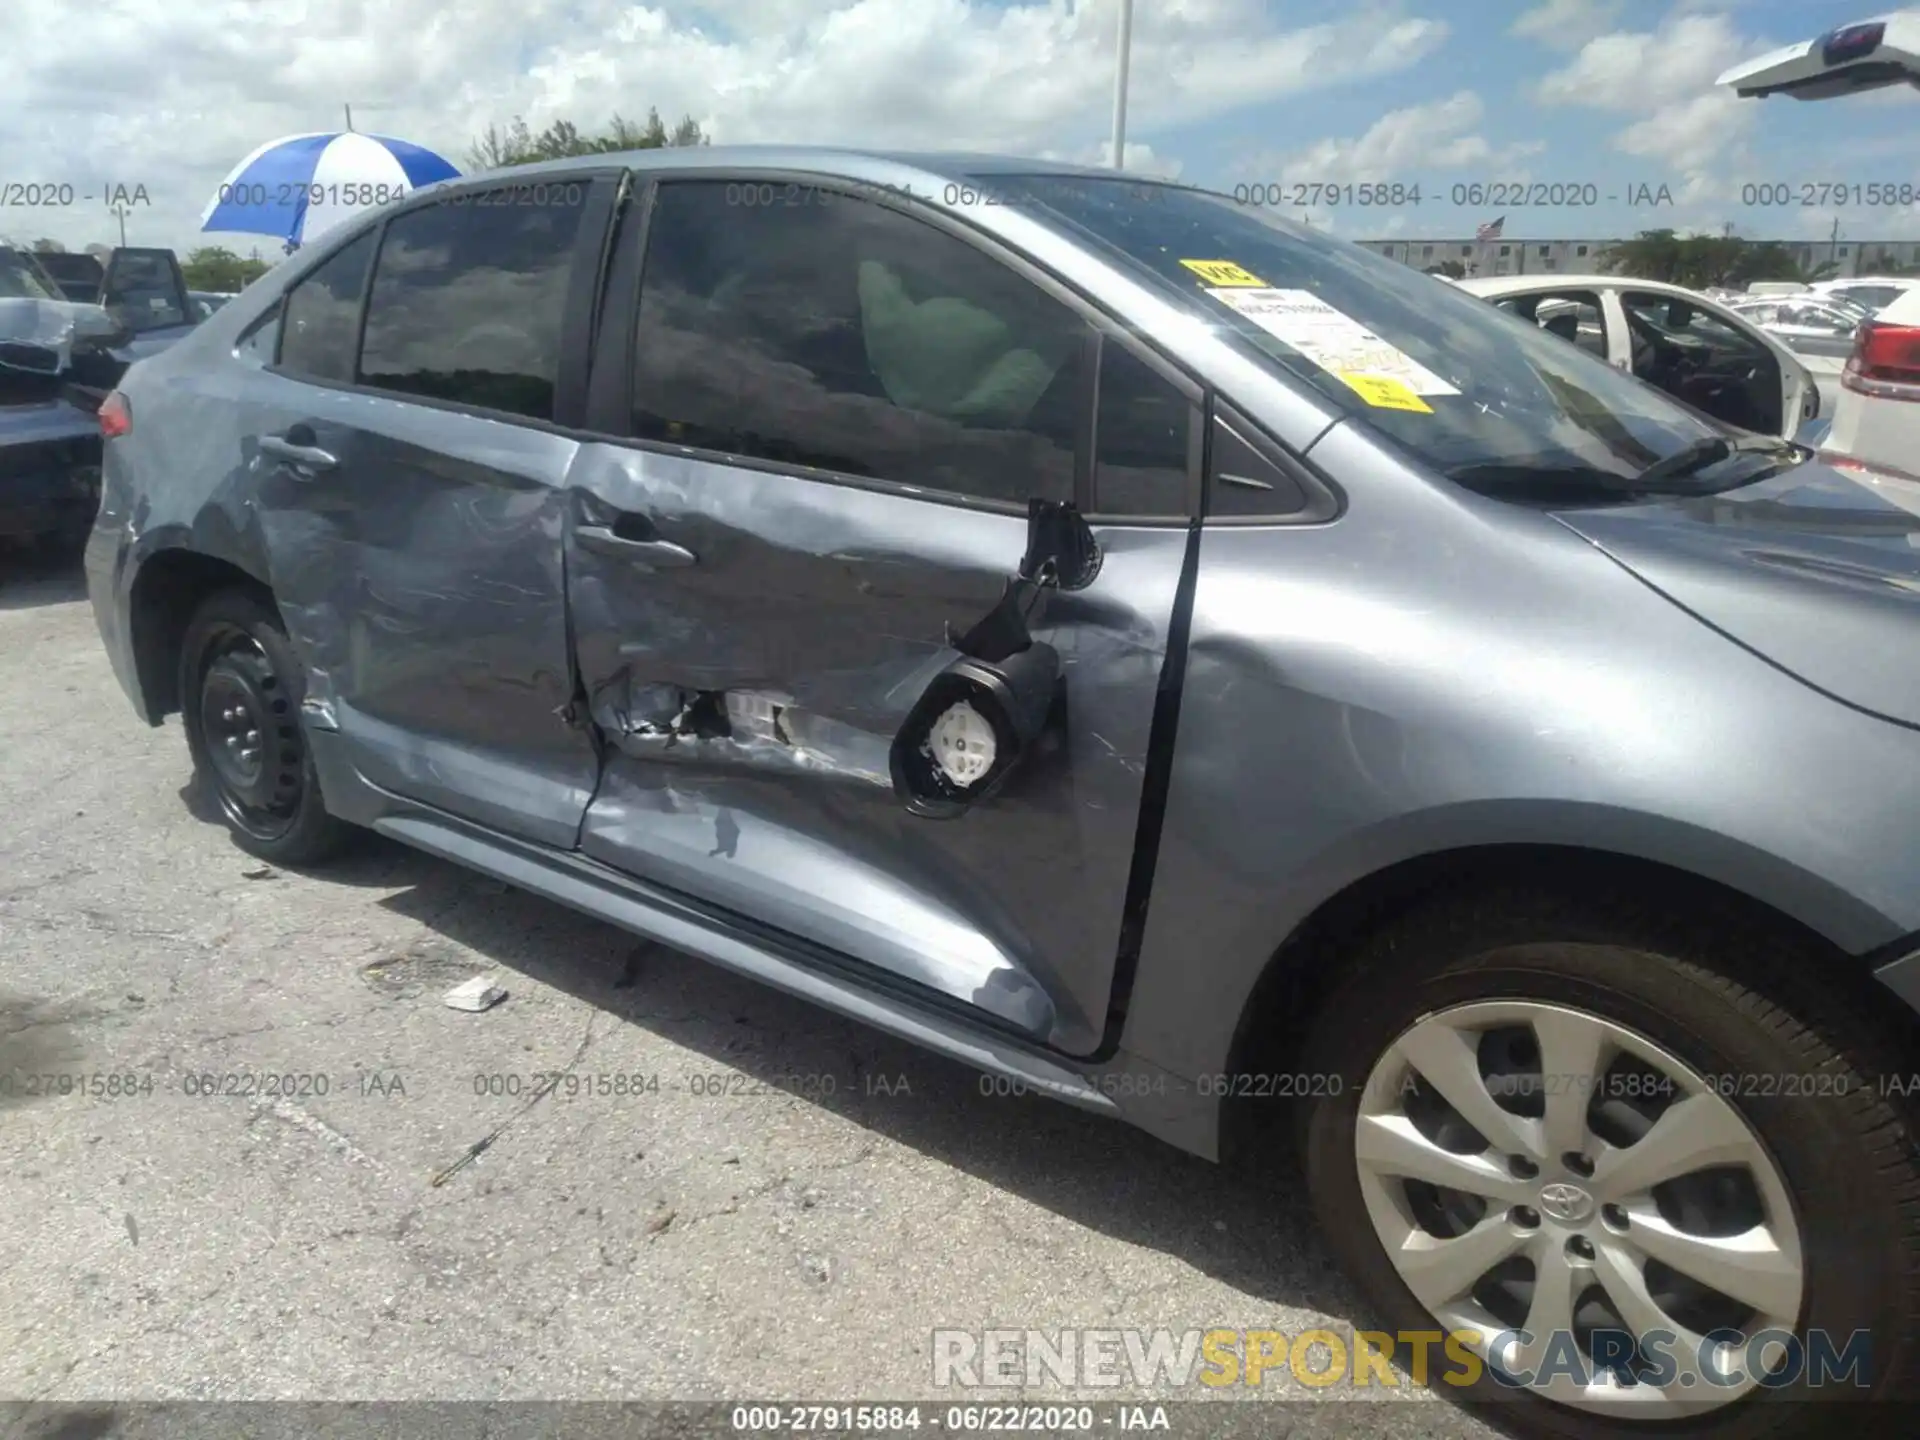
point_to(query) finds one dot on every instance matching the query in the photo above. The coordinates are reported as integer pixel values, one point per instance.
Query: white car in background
(1876, 417)
(1696, 349)
(1871, 293)
(1876, 420)
(1817, 329)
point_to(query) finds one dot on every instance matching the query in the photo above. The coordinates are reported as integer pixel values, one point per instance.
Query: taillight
(1885, 361)
(116, 416)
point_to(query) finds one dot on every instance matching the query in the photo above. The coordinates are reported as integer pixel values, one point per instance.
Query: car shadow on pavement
(31, 579)
(1246, 1224)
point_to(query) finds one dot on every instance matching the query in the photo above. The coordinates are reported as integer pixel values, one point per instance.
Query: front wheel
(1648, 1171)
(240, 689)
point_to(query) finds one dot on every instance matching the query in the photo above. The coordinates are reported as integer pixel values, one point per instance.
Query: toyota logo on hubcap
(1567, 1203)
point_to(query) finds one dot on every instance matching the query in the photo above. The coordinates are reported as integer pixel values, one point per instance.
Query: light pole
(120, 213)
(1120, 86)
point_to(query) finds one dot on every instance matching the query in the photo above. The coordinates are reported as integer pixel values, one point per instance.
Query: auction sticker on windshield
(1223, 272)
(1380, 372)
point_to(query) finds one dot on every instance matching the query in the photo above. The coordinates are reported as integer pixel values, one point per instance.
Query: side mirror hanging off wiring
(984, 711)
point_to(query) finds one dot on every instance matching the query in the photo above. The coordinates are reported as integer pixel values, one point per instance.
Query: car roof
(1525, 284)
(1903, 311)
(839, 162)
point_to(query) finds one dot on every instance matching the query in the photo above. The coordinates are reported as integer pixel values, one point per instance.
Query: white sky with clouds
(168, 94)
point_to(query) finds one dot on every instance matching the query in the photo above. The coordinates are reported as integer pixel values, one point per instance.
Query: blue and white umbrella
(299, 187)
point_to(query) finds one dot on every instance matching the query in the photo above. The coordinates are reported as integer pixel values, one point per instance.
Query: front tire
(1606, 1118)
(240, 692)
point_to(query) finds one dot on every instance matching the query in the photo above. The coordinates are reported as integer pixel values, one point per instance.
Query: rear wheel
(1649, 1168)
(240, 691)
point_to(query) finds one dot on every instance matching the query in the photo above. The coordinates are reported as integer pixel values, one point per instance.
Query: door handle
(301, 457)
(658, 554)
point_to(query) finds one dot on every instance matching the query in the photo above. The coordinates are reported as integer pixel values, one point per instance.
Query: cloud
(1665, 77)
(1410, 142)
(1140, 158)
(92, 105)
(1566, 24)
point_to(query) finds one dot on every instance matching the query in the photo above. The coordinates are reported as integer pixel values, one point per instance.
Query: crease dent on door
(751, 697)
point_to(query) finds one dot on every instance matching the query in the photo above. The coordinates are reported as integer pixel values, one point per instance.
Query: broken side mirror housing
(971, 727)
(982, 713)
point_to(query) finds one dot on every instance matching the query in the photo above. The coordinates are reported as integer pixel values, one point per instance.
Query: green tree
(1452, 269)
(215, 268)
(517, 144)
(1702, 262)
(1881, 262)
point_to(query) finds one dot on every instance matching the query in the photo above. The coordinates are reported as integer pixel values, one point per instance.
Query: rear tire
(240, 692)
(1799, 1141)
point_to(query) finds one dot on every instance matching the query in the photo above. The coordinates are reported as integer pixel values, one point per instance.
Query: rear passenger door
(833, 416)
(409, 447)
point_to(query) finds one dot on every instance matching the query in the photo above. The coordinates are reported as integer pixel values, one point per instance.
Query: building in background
(1502, 256)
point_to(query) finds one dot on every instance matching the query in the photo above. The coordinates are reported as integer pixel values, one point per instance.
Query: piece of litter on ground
(479, 993)
(658, 1224)
(259, 872)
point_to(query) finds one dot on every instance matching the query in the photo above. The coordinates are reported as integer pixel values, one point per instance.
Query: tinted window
(1247, 479)
(1142, 427)
(845, 336)
(258, 341)
(323, 315)
(1474, 394)
(144, 293)
(467, 301)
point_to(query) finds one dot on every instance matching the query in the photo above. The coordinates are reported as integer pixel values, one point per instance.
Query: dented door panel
(750, 697)
(420, 580)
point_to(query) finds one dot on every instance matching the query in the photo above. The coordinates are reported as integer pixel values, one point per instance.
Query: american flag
(1491, 230)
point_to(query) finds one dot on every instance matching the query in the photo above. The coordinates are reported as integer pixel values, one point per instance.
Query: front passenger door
(838, 413)
(1720, 369)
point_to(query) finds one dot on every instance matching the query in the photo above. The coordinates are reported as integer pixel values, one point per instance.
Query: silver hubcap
(1537, 1173)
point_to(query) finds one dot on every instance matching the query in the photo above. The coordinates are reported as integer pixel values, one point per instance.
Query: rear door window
(468, 299)
(323, 315)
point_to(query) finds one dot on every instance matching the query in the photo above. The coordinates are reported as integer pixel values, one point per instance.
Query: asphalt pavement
(247, 1153)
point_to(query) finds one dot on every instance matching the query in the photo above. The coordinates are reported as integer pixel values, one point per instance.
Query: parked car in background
(1876, 419)
(1809, 326)
(63, 346)
(1151, 651)
(1778, 287)
(1694, 348)
(206, 302)
(1871, 293)
(1816, 327)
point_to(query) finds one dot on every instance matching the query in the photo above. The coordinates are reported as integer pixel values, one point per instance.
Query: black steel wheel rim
(251, 734)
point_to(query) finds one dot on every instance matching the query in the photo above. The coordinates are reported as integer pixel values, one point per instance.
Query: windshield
(20, 278)
(1490, 401)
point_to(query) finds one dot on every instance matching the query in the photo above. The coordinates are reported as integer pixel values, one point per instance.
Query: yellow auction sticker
(1223, 272)
(1384, 392)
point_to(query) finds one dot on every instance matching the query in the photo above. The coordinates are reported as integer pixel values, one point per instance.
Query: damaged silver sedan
(1162, 656)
